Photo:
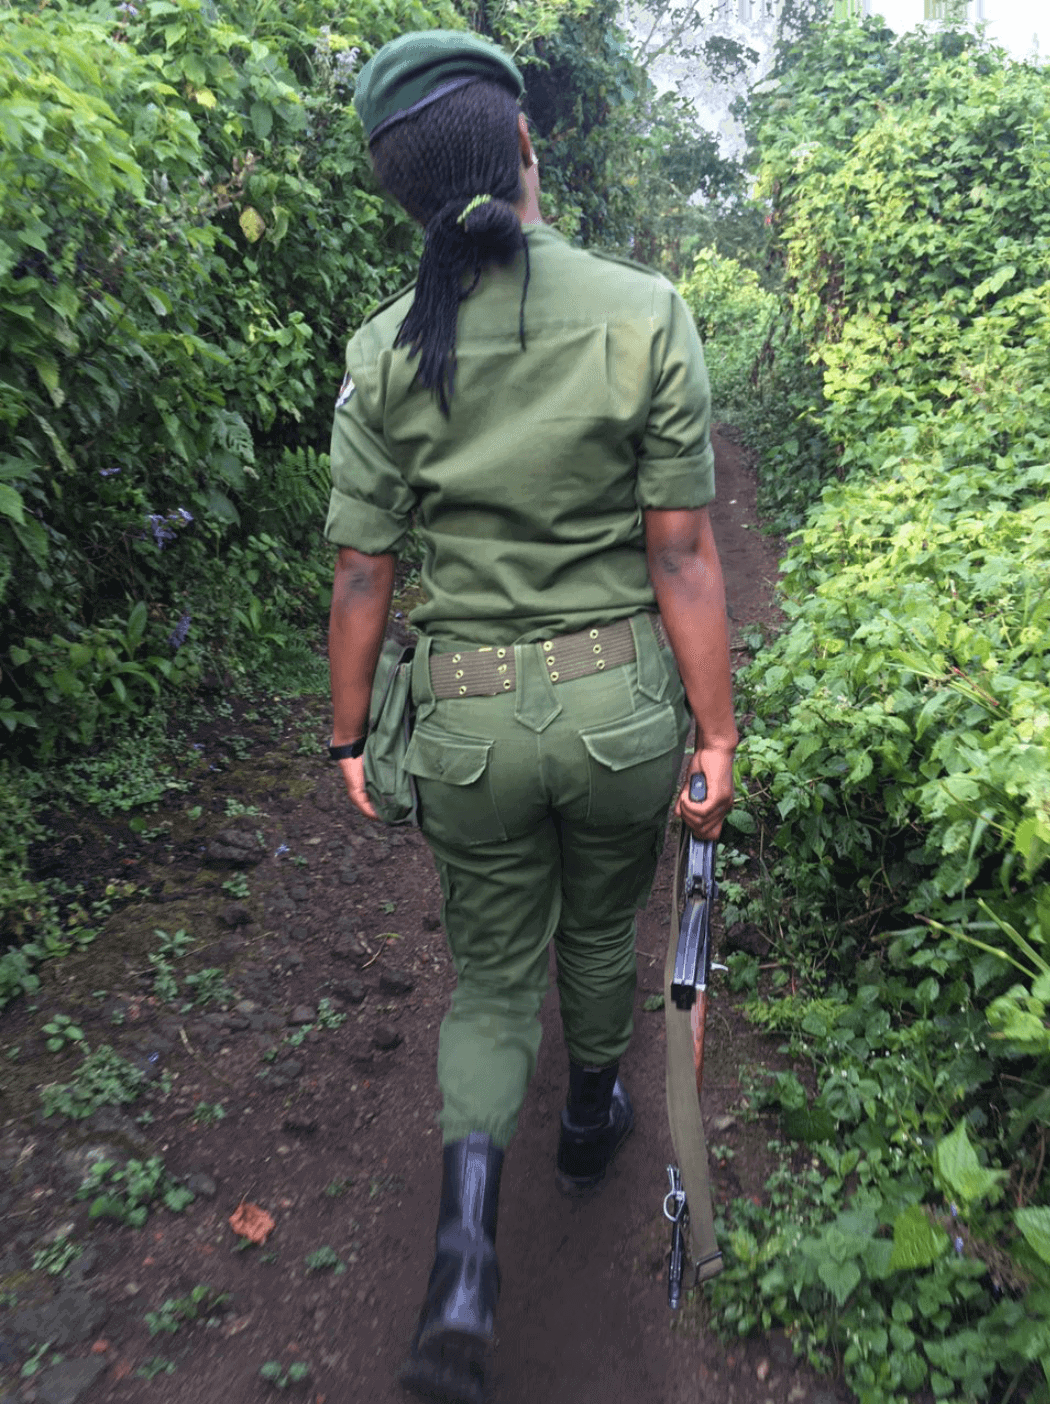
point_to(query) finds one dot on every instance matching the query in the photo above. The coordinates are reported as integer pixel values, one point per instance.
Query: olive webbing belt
(683, 1104)
(487, 672)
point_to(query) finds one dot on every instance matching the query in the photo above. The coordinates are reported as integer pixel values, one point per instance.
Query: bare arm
(687, 579)
(361, 594)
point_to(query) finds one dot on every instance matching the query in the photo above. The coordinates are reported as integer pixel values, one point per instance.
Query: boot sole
(451, 1366)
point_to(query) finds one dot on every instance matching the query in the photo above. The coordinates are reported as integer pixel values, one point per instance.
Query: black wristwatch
(350, 751)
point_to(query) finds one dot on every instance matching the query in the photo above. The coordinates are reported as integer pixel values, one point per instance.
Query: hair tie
(475, 204)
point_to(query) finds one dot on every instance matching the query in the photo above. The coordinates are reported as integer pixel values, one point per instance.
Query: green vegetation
(102, 1079)
(56, 1256)
(899, 761)
(126, 1193)
(273, 1372)
(323, 1259)
(201, 1301)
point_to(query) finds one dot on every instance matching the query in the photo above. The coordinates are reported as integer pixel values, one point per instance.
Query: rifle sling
(683, 1105)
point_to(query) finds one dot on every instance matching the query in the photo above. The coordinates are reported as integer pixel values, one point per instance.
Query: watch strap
(350, 751)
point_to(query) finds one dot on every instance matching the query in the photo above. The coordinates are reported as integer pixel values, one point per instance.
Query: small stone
(233, 849)
(397, 982)
(112, 1122)
(236, 914)
(762, 1370)
(724, 1122)
(236, 1023)
(348, 874)
(431, 922)
(265, 1023)
(202, 1185)
(781, 1351)
(291, 960)
(74, 1315)
(362, 1057)
(299, 893)
(300, 1125)
(353, 991)
(299, 932)
(385, 1037)
(246, 1007)
(302, 1014)
(69, 1380)
(746, 936)
(291, 1067)
(351, 948)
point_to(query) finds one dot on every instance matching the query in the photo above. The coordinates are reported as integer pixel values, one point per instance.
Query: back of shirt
(529, 496)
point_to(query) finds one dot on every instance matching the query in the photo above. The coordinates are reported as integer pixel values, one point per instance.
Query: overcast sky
(1015, 24)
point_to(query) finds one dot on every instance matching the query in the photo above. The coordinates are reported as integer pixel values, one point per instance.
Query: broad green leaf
(253, 226)
(1035, 1225)
(262, 119)
(917, 1241)
(11, 504)
(962, 1173)
(220, 506)
(839, 1278)
(159, 301)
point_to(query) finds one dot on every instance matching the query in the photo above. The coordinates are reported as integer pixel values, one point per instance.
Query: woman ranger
(543, 413)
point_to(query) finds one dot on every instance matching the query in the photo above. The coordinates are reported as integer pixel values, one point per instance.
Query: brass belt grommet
(593, 634)
(547, 646)
(554, 677)
(459, 672)
(462, 692)
(597, 648)
(501, 667)
(550, 660)
(457, 657)
(600, 663)
(506, 684)
(501, 653)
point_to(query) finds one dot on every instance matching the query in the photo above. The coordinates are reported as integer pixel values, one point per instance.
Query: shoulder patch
(346, 390)
(389, 301)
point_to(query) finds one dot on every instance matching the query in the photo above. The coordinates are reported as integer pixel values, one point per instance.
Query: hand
(354, 775)
(705, 819)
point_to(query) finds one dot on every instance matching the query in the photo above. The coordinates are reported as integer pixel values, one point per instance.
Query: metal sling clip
(676, 1212)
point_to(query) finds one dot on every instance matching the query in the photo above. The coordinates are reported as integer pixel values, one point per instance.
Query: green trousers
(545, 809)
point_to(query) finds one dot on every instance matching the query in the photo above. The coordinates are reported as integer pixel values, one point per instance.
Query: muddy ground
(298, 1076)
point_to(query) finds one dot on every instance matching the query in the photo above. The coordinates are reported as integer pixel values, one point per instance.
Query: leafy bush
(901, 746)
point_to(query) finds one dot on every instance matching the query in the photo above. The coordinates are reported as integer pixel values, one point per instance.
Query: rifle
(692, 971)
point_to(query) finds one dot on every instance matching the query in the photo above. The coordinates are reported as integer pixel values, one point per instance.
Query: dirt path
(327, 1118)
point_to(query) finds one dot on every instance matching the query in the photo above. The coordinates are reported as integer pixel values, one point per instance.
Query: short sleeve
(676, 463)
(371, 504)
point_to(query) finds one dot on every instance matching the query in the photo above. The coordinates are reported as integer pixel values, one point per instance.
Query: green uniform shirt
(529, 497)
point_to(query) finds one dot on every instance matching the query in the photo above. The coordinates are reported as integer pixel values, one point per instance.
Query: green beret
(418, 68)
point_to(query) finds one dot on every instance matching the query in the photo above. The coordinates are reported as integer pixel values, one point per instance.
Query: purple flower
(162, 533)
(164, 528)
(108, 472)
(128, 10)
(177, 637)
(959, 1245)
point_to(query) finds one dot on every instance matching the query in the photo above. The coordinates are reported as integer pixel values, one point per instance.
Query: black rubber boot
(597, 1119)
(450, 1350)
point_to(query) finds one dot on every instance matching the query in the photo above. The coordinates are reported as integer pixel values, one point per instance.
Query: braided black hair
(440, 164)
